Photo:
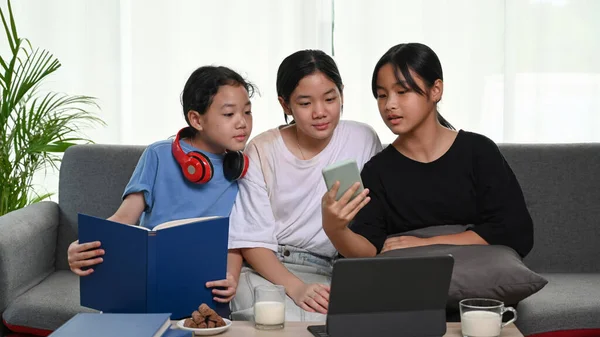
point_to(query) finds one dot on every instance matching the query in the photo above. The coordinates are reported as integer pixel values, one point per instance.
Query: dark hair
(301, 64)
(203, 84)
(416, 57)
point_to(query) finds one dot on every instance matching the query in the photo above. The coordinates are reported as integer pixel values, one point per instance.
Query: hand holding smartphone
(347, 173)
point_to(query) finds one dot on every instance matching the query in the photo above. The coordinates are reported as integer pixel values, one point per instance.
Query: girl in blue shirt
(193, 175)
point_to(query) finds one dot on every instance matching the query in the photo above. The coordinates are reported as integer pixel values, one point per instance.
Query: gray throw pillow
(494, 271)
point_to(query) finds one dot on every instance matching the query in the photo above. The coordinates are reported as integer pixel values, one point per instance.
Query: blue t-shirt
(169, 195)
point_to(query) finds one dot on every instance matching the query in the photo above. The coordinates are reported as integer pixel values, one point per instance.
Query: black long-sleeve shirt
(470, 184)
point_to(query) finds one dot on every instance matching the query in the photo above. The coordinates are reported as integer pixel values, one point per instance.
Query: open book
(155, 271)
(179, 222)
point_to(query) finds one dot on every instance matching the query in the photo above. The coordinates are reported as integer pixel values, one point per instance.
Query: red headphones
(197, 168)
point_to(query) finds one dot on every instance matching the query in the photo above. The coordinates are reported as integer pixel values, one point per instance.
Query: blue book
(102, 325)
(154, 271)
(174, 332)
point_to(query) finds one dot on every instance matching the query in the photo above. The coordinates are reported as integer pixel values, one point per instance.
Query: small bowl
(205, 331)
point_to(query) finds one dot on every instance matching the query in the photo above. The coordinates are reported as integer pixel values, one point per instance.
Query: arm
(465, 238)
(350, 244)
(503, 216)
(136, 198)
(505, 219)
(347, 242)
(234, 263)
(337, 215)
(310, 297)
(88, 254)
(130, 210)
(229, 284)
(252, 229)
(367, 231)
(268, 266)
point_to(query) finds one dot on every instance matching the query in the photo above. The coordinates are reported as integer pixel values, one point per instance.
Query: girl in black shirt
(430, 175)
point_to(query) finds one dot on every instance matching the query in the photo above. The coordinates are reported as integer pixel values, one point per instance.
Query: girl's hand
(337, 214)
(313, 297)
(400, 242)
(227, 294)
(81, 255)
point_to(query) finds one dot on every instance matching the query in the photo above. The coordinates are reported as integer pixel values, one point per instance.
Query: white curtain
(514, 70)
(135, 55)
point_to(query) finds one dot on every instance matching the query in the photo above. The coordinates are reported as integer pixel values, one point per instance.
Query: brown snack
(205, 310)
(197, 317)
(189, 323)
(217, 319)
(205, 317)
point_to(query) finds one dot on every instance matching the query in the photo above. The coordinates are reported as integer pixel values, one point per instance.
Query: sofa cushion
(46, 306)
(495, 272)
(479, 271)
(570, 303)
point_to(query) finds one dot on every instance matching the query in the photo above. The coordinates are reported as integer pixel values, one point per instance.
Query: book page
(183, 222)
(126, 224)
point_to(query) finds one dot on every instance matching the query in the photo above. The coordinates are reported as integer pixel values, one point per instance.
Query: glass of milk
(480, 317)
(269, 307)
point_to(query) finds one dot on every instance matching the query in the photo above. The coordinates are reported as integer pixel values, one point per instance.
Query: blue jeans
(308, 267)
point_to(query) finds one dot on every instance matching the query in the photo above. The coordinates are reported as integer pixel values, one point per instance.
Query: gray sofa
(560, 183)
(38, 292)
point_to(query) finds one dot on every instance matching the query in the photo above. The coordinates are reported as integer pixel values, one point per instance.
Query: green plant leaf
(13, 25)
(3, 63)
(35, 126)
(39, 198)
(11, 38)
(56, 147)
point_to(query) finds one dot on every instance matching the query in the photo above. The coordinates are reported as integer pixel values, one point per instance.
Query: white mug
(480, 317)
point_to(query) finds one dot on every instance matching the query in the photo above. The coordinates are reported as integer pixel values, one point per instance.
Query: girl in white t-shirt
(276, 218)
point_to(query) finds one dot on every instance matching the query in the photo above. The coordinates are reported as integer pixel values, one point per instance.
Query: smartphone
(347, 173)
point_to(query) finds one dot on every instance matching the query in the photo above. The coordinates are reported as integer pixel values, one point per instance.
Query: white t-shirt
(279, 199)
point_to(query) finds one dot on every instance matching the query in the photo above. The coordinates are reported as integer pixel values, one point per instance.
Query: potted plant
(35, 126)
